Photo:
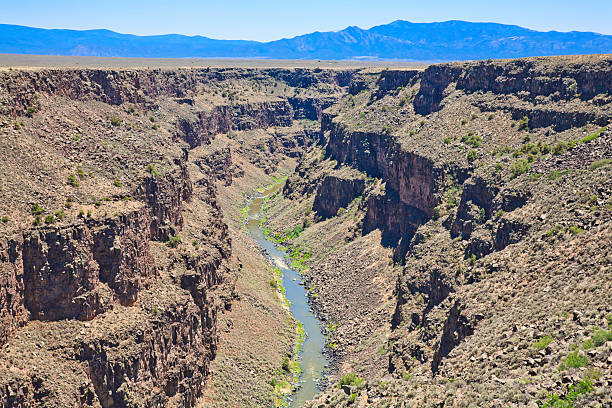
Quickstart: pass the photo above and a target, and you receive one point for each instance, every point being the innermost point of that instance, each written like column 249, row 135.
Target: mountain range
column 399, row 40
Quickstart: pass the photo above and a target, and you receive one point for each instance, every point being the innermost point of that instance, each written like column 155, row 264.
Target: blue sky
column 266, row 20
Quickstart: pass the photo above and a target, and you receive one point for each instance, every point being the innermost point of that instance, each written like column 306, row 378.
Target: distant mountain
column 446, row 41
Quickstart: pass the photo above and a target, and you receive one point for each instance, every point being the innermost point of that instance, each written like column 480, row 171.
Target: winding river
column 312, row 359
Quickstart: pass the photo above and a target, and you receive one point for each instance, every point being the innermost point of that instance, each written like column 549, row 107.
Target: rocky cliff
column 115, row 256
column 475, row 174
column 452, row 224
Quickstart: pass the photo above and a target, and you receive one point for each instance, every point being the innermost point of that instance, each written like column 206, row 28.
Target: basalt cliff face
column 116, row 259
column 457, row 221
column 454, row 224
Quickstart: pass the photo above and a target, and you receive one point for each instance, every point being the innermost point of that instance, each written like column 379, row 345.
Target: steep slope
column 457, row 225
column 116, row 259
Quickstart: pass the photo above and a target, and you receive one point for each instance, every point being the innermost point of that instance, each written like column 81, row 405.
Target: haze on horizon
column 269, row 20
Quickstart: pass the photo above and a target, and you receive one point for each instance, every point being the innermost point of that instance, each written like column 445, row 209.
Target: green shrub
column 491, row 116
column 286, row 365
column 60, row 215
column 352, row 398
column 600, row 163
column 556, row 230
column 523, row 123
column 115, row 121
column 36, row 209
column 388, row 129
column 5, row 219
column 73, row 181
column 575, row 230
column 174, row 242
column 593, row 136
column 472, row 259
column 437, row 213
column 37, row 220
column 589, row 200
column 574, row 391
column 535, row 176
column 542, row 342
column 297, row 230
column 482, row 216
column 544, row 148
column 472, row 156
column 50, row 219
column 574, row 360
column 447, row 140
column 519, row 167
column 601, row 336
column 30, row 111
column 472, row 140
column 117, row 183
column 464, row 121
column 559, row 148
column 68, row 203
column 557, row 174
column 153, row 171
column 351, row 380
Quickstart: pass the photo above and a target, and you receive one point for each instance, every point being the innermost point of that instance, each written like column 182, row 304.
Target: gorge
column 451, row 226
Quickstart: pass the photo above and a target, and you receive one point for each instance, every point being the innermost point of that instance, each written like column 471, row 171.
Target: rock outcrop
column 335, row 193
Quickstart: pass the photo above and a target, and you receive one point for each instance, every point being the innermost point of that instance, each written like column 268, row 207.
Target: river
column 312, row 359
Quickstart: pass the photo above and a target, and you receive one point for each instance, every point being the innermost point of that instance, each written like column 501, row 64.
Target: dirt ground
column 53, row 61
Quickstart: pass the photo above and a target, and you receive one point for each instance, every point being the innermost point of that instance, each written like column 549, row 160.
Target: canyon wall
column 111, row 271
column 433, row 206
column 473, row 174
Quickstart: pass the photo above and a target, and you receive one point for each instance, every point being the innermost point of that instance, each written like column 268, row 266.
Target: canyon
column 452, row 225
